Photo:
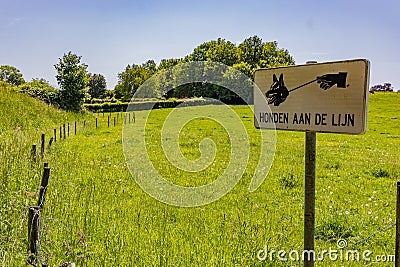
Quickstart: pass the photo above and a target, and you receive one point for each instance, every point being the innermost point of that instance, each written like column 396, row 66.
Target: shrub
column 40, row 88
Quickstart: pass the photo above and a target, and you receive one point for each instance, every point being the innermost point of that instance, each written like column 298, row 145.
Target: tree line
column 77, row 85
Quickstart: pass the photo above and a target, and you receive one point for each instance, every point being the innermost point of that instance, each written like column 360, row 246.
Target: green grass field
column 96, row 215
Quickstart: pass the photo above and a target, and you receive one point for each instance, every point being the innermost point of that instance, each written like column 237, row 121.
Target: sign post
column 309, row 192
column 309, row 196
column 333, row 98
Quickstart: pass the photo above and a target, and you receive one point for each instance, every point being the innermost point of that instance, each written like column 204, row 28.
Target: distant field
column 96, row 215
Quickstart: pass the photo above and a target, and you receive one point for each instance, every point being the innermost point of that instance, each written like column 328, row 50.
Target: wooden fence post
column 43, row 185
column 75, row 128
column 33, row 153
column 96, row 123
column 134, row 117
column 55, row 135
column 42, row 146
column 60, row 133
column 129, row 118
column 34, row 219
column 114, row 121
column 64, row 130
column 50, row 142
column 33, row 234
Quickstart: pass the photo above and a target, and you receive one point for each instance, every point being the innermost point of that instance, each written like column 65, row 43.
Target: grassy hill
column 96, row 214
column 22, row 121
column 21, row 112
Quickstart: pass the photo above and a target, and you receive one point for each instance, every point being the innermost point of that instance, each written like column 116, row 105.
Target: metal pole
column 309, row 198
column 397, row 251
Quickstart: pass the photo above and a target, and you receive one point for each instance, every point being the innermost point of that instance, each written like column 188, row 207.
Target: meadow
column 97, row 215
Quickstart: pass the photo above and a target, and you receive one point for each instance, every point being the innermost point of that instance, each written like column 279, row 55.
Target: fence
column 34, row 246
column 34, row 212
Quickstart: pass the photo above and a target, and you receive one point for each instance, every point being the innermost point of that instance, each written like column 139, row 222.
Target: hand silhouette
column 277, row 92
column 328, row 80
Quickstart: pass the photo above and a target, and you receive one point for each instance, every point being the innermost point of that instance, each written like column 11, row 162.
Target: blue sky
column 111, row 34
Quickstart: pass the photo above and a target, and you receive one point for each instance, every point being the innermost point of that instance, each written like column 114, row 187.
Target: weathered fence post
column 55, row 135
column 114, row 121
column 397, row 250
column 75, row 128
column 43, row 185
column 108, row 121
column 34, row 219
column 134, row 117
column 64, row 130
column 129, row 118
column 96, row 123
column 60, row 133
column 33, row 234
column 42, row 145
column 50, row 142
column 33, row 152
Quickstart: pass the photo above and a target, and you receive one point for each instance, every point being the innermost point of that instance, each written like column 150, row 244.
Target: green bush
column 144, row 105
column 40, row 89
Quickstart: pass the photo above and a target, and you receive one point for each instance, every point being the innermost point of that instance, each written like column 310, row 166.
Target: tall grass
column 96, row 215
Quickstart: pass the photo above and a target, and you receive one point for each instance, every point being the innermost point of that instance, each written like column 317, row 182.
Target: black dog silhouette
column 277, row 92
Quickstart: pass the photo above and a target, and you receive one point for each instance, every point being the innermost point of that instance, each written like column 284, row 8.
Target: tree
column 250, row 50
column 73, row 79
column 133, row 77
column 97, row 85
column 11, row 75
column 220, row 50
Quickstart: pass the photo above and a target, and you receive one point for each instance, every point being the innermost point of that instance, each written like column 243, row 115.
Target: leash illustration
column 278, row 92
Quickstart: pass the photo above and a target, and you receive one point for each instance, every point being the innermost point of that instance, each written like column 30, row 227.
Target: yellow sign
column 324, row 97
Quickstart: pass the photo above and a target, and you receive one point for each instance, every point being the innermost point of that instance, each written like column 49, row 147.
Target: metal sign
column 324, row 97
